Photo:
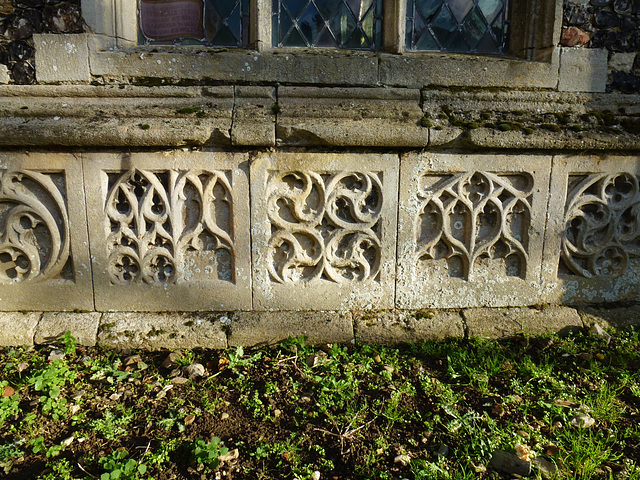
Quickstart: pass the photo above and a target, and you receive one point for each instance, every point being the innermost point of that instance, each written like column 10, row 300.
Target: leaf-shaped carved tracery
column 471, row 219
column 165, row 227
column 602, row 225
column 324, row 226
column 34, row 227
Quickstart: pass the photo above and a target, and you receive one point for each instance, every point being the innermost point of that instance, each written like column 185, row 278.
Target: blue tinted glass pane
column 328, row 23
column 457, row 25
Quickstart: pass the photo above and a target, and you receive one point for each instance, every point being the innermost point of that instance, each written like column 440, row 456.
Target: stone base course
column 155, row 331
column 507, row 322
column 268, row 328
column 398, row 326
column 611, row 317
column 18, row 328
column 219, row 330
column 53, row 325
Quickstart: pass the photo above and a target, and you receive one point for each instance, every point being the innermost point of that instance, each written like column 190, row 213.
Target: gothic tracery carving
column 164, row 226
column 470, row 219
column 324, row 226
column 602, row 224
column 34, row 226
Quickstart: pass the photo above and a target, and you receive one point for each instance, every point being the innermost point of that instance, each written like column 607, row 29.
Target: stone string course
column 228, row 329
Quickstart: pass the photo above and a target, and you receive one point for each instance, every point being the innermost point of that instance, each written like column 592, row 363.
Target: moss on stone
column 552, row 127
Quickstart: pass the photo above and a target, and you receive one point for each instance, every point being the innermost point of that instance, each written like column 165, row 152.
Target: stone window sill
column 185, row 65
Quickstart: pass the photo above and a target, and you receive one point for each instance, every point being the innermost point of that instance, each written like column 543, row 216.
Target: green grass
column 434, row 410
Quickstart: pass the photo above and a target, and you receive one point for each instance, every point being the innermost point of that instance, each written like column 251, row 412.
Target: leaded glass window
column 194, row 22
column 353, row 24
column 457, row 25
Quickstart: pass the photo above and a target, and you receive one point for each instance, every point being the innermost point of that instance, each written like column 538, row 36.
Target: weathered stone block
column 416, row 71
column 583, row 70
column 591, row 249
column 74, row 115
column 18, row 329
column 250, row 329
column 254, row 116
column 153, row 331
column 62, row 58
column 44, row 254
column 234, row 65
column 4, row 74
column 169, row 231
column 470, row 230
column 53, row 325
column 506, row 322
column 398, row 327
column 620, row 317
column 323, row 230
column 621, row 62
column 350, row 116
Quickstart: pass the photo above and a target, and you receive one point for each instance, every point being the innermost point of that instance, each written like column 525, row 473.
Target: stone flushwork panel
column 169, row 231
column 44, row 255
column 593, row 248
column 470, row 230
column 323, row 230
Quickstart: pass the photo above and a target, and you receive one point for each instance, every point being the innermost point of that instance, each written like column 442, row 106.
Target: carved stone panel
column 44, row 255
column 323, row 230
column 592, row 254
column 470, row 230
column 169, row 231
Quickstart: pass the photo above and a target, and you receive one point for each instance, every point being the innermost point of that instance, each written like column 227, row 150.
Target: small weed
column 9, row 405
column 61, row 469
column 112, row 426
column 208, row 453
column 118, row 467
column 9, row 452
column 50, row 381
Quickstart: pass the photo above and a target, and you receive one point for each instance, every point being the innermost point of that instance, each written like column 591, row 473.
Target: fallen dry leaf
column 523, row 452
column 223, row 363
column 232, row 455
column 189, row 419
column 552, row 450
column 8, row 391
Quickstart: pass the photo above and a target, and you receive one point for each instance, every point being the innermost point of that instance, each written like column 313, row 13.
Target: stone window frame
column 533, row 62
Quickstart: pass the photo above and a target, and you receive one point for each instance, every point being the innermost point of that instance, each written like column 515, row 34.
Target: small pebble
column 171, row 360
column 194, row 370
column 67, row 441
column 388, row 368
column 583, row 421
column 224, row 416
column 403, row 460
column 56, row 355
column 598, row 331
column 508, row 463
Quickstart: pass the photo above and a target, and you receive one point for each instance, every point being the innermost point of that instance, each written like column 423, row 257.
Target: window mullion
column 260, row 35
column 393, row 38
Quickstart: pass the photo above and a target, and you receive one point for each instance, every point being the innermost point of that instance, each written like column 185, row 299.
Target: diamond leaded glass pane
column 194, row 22
column 457, row 25
column 353, row 24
